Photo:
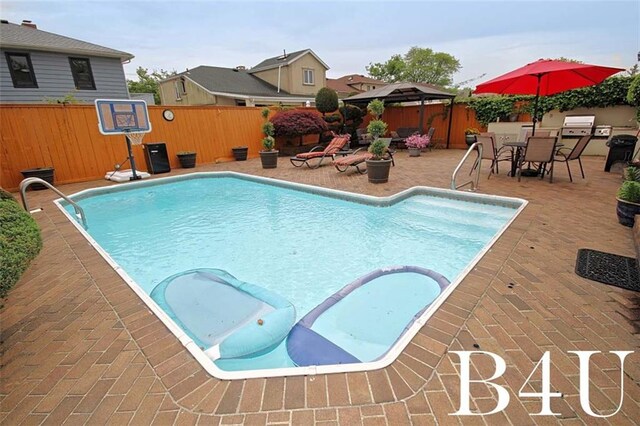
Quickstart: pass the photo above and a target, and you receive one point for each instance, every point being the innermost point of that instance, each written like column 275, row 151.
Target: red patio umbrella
column 546, row 77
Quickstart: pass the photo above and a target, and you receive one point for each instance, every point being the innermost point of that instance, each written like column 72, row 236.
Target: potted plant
column 415, row 143
column 187, row 159
column 268, row 155
column 240, row 152
column 377, row 166
column 629, row 197
column 470, row 135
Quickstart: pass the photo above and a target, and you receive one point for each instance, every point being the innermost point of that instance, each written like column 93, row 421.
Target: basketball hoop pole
column 132, row 161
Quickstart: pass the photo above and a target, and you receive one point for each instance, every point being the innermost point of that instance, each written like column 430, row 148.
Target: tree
column 418, row 65
column 149, row 83
column 326, row 100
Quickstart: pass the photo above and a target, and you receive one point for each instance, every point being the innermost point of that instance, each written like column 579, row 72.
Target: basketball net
column 135, row 137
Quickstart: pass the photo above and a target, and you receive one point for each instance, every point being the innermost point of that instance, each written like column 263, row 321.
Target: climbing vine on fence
column 611, row 92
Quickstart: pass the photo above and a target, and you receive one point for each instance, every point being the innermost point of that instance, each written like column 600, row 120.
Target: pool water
column 300, row 245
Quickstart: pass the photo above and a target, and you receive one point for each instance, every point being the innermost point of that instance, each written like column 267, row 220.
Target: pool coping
column 391, row 355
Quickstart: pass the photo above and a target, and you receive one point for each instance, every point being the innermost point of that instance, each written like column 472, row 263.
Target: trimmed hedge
column 20, row 242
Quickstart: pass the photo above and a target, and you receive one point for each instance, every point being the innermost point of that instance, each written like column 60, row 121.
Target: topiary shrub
column 352, row 118
column 297, row 123
column 4, row 195
column 20, row 242
column 326, row 100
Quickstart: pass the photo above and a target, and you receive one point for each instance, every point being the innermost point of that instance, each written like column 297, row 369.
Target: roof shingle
column 23, row 37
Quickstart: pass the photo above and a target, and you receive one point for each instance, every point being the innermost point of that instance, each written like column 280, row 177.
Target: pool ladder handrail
column 28, row 181
column 476, row 147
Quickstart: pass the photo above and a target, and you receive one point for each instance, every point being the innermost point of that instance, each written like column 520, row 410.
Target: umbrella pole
column 421, row 114
column 535, row 106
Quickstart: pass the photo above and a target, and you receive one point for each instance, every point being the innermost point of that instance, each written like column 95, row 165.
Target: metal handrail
column 28, row 181
column 476, row 147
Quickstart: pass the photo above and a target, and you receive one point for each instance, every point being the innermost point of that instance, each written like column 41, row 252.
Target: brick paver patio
column 78, row 346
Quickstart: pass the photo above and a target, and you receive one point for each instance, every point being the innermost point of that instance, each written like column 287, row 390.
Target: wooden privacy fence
column 66, row 137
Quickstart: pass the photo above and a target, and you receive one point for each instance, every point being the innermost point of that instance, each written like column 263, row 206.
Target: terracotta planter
column 269, row 159
column 187, row 161
column 240, row 153
column 44, row 173
column 378, row 170
column 414, row 152
column 626, row 212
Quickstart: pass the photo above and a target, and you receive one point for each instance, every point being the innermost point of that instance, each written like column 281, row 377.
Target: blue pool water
column 300, row 245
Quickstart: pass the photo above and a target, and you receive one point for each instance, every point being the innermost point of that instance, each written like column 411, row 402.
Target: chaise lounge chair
column 336, row 144
column 359, row 157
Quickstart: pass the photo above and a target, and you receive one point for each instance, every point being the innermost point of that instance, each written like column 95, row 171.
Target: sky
column 489, row 38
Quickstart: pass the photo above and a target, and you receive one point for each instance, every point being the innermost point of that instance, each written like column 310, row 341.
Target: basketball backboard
column 122, row 116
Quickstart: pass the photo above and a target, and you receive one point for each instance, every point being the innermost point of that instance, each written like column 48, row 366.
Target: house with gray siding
column 41, row 67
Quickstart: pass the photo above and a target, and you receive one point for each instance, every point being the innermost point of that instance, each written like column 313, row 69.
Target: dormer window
column 308, row 77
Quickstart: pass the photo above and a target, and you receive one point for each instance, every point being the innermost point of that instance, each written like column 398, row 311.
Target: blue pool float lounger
column 226, row 317
column 362, row 321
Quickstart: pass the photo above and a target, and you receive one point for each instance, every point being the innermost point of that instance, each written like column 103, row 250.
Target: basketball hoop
column 135, row 137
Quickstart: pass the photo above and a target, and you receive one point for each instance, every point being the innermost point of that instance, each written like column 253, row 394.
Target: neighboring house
column 353, row 84
column 147, row 97
column 40, row 67
column 289, row 79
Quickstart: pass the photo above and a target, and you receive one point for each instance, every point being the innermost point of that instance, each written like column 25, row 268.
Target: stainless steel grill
column 578, row 125
column 602, row 131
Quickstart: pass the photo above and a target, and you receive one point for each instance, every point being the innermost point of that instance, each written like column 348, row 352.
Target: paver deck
column 78, row 346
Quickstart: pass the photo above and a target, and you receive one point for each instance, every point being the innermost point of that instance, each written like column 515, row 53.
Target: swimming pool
column 300, row 242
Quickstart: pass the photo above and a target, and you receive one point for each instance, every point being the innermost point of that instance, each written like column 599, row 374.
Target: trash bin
column 621, row 149
column 156, row 157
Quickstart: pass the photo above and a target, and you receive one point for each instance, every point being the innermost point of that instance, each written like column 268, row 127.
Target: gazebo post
column 450, row 120
column 421, row 114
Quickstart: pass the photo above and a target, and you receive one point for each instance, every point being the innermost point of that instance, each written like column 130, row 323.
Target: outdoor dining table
column 516, row 148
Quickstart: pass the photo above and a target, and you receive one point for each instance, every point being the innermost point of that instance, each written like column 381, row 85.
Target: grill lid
column 574, row 121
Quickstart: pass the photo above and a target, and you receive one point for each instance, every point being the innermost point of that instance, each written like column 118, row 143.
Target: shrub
column 297, row 123
column 633, row 95
column 376, row 108
column 333, row 118
column 377, row 128
column 630, row 192
column 265, row 113
column 268, row 129
column 20, row 242
column 326, row 100
column 632, row 173
column 378, row 148
column 268, row 143
column 352, row 118
column 4, row 195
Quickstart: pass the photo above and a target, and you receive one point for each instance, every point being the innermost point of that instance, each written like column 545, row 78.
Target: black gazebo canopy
column 404, row 92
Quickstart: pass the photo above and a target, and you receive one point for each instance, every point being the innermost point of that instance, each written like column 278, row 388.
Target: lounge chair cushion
column 351, row 160
column 307, row 155
column 334, row 146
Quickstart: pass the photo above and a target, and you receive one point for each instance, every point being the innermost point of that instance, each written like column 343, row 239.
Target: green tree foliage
column 149, row 83
column 20, row 242
column 418, row 65
column 326, row 100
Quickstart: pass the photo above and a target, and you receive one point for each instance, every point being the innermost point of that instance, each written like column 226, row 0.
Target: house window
column 308, row 77
column 82, row 75
column 21, row 70
column 180, row 89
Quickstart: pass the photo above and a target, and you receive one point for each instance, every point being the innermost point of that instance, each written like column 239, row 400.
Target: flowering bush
column 297, row 123
column 417, row 141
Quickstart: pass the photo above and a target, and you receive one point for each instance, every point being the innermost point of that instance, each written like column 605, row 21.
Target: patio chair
column 320, row 152
column 490, row 152
column 574, row 154
column 359, row 157
column 540, row 150
column 364, row 138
